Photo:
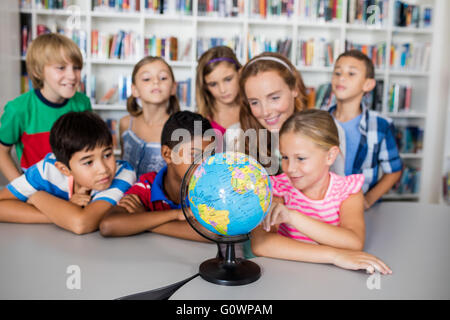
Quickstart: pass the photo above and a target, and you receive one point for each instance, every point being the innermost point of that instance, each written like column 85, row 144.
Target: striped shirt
column 44, row 176
column 325, row 210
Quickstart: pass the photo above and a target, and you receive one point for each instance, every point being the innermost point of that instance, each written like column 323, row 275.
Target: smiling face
column 61, row 81
column 306, row 163
column 92, row 169
column 270, row 98
column 153, row 83
column 349, row 81
column 223, row 83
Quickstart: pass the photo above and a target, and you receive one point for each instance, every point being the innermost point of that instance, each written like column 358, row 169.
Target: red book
column 408, row 98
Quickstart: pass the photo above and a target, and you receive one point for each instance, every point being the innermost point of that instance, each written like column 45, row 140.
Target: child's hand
column 131, row 203
column 82, row 197
column 180, row 215
column 277, row 214
column 81, row 200
column 359, row 260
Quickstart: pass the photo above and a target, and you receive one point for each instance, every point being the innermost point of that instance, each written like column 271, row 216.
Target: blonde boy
column 54, row 65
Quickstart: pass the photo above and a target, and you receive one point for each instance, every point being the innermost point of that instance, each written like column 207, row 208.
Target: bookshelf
column 195, row 25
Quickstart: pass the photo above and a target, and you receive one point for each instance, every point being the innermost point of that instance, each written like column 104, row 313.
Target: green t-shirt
column 27, row 120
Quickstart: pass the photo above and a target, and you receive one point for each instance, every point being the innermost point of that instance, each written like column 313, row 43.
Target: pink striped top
column 325, row 210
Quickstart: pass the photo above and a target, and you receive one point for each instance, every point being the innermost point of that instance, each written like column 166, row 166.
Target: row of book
column 170, row 48
column 376, row 52
column 323, row 97
column 122, row 45
column 412, row 15
column 51, row 4
column 119, row 92
column 409, row 139
column 169, row 7
column 271, row 8
column 116, row 5
column 399, row 98
column 409, row 182
column 410, row 56
column 236, row 43
column 259, row 44
column 368, row 12
column 220, row 8
column 320, row 10
column 317, row 52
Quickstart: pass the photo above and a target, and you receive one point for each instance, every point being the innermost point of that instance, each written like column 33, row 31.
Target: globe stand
column 229, row 270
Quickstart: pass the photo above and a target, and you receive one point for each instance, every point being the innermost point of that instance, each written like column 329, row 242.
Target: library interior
column 407, row 41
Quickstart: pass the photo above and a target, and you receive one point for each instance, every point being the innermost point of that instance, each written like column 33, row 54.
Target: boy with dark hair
column 369, row 137
column 74, row 186
column 154, row 203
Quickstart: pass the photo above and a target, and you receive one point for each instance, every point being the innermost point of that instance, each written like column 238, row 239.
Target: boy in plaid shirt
column 370, row 140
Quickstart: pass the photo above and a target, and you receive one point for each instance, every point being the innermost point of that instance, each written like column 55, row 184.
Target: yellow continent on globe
column 218, row 219
column 242, row 183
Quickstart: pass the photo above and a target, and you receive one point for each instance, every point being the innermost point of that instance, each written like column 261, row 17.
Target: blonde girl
column 318, row 215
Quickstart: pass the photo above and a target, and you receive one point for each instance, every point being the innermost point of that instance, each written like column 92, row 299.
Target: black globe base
column 229, row 271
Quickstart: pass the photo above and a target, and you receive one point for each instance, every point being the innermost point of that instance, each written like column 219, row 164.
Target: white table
column 34, row 261
column 413, row 239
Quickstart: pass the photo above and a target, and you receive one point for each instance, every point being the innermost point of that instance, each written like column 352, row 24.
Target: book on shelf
column 166, row 48
column 124, row 89
column 220, row 8
column 320, row 10
column 26, row 34
column 317, row 52
column 409, row 139
column 368, row 12
column 107, row 97
column 116, row 5
column 269, row 9
column 407, row 14
column 259, row 43
column 122, row 45
column 169, row 7
column 184, row 92
column 399, row 98
column 410, row 56
column 376, row 52
column 325, row 97
column 408, row 183
column 236, row 43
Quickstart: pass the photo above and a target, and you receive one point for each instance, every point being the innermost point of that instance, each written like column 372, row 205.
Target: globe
column 225, row 196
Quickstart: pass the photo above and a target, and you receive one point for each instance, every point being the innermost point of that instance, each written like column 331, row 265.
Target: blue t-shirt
column 352, row 139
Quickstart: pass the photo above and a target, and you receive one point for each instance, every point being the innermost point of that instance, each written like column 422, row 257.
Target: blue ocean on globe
column 229, row 193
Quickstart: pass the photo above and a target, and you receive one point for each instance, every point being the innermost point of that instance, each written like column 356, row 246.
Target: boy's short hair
column 358, row 55
column 186, row 120
column 50, row 48
column 77, row 131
